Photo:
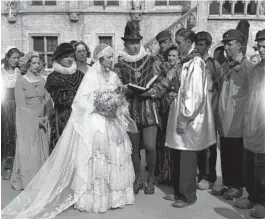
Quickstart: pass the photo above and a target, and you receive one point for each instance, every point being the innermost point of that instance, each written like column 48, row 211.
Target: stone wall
column 218, row 27
column 87, row 28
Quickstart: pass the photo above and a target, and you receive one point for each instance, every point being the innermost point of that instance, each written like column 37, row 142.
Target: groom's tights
column 149, row 143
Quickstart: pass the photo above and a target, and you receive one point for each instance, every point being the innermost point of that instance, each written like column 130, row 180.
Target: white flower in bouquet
column 109, row 103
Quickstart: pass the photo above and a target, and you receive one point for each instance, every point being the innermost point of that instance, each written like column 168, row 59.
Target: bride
column 91, row 167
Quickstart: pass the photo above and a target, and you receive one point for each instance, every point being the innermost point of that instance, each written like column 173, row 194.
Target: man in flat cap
column 234, row 79
column 136, row 68
column 254, row 137
column 164, row 40
column 207, row 164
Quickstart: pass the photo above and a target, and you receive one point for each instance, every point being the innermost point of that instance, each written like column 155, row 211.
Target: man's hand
column 151, row 93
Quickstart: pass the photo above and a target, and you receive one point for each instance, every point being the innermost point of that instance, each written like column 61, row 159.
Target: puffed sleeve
column 192, row 92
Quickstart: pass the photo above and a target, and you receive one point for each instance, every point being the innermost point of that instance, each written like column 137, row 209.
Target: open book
column 139, row 89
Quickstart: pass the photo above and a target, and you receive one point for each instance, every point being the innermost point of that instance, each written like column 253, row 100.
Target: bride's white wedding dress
column 90, row 167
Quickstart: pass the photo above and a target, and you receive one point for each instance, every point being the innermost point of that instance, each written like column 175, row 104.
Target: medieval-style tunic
column 143, row 110
column 62, row 88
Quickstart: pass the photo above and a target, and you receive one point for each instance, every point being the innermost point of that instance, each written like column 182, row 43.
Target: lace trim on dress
column 132, row 58
column 9, row 80
column 64, row 70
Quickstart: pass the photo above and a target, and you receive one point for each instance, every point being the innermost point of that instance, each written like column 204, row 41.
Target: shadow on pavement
column 228, row 213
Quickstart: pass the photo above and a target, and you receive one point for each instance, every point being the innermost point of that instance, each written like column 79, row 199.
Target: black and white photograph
column 135, row 109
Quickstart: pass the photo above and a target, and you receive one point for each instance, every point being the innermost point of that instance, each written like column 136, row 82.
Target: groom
column 136, row 67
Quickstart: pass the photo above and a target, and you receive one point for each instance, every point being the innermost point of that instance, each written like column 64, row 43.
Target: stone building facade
column 41, row 25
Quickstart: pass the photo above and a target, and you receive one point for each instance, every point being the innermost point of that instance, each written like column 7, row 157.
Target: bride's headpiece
column 102, row 50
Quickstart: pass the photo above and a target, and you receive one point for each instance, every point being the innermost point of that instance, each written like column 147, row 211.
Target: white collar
column 64, row 70
column 132, row 58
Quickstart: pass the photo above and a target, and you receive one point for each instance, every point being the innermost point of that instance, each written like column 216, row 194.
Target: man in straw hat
column 254, row 137
column 136, row 67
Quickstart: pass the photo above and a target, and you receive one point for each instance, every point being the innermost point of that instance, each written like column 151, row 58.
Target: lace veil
column 57, row 186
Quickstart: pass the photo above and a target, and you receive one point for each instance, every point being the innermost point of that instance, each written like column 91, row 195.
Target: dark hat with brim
column 132, row 32
column 132, row 38
column 63, row 48
column 163, row 35
column 260, row 35
column 233, row 34
column 203, row 35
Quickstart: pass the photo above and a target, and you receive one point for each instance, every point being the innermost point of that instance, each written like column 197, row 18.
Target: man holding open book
column 143, row 89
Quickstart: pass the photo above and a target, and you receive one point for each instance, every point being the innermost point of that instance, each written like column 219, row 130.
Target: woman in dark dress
column 9, row 75
column 172, row 82
column 62, row 84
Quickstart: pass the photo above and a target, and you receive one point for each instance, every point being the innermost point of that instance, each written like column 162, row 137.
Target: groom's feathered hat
column 132, row 31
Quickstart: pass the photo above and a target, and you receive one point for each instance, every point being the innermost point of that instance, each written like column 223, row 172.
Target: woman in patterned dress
column 9, row 75
column 62, row 84
column 32, row 146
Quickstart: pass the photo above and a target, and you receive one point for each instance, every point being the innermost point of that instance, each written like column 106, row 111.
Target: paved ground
column 152, row 207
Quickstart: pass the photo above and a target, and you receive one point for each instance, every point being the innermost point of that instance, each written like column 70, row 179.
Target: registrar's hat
column 132, row 32
column 203, row 35
column 163, row 35
column 260, row 35
column 233, row 34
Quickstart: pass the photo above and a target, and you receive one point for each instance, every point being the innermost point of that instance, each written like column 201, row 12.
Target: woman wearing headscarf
column 91, row 166
column 62, row 84
column 9, row 75
column 32, row 146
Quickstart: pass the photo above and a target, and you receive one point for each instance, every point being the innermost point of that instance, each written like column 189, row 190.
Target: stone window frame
column 106, row 3
column 44, row 3
column 166, row 3
column 45, row 35
column 98, row 35
column 220, row 15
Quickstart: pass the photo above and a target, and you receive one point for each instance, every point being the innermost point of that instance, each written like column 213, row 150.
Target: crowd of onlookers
column 203, row 100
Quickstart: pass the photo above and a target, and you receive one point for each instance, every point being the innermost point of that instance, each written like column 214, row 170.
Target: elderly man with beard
column 136, row 67
column 254, row 137
column 234, row 79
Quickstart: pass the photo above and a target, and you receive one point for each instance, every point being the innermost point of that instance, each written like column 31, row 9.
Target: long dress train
column 90, row 167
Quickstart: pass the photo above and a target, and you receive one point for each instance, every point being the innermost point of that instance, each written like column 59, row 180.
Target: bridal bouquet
column 109, row 103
